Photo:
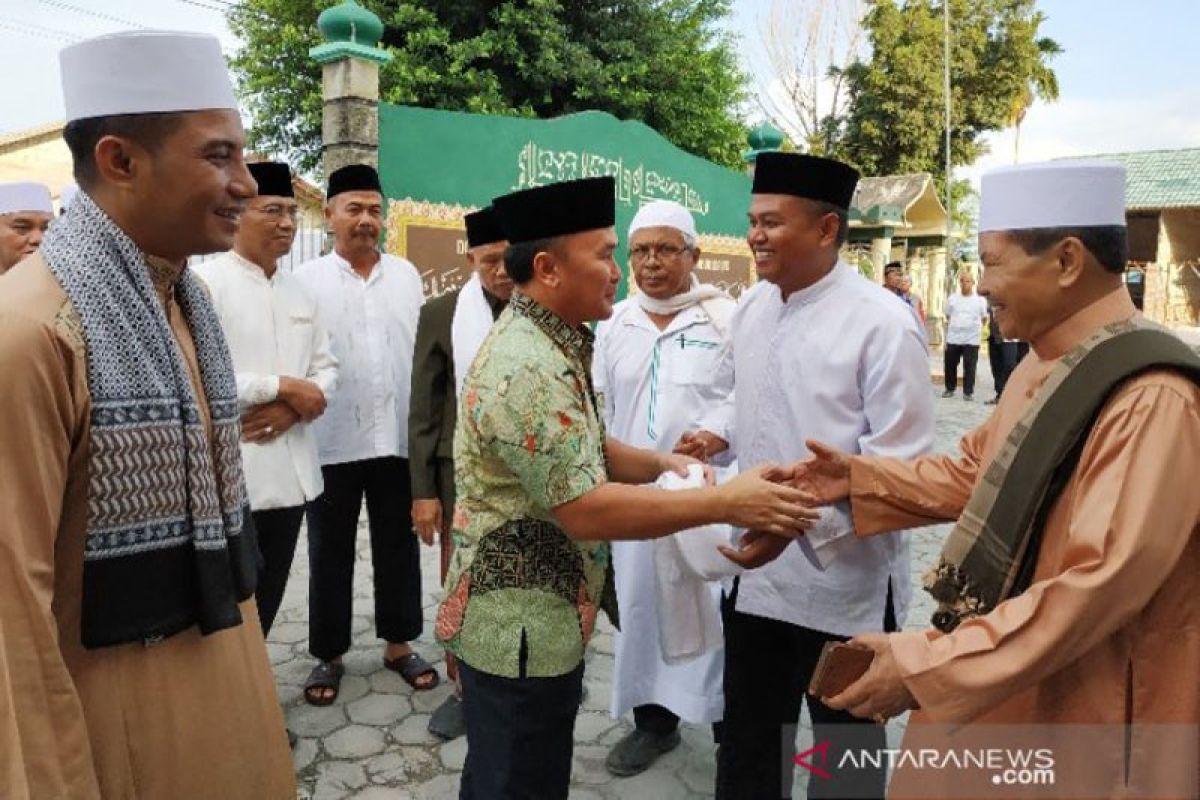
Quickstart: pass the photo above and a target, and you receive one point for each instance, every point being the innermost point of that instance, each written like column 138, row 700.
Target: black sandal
column 326, row 675
column 410, row 668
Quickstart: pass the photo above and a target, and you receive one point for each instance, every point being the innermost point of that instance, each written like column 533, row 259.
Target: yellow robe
column 1109, row 632
column 192, row 717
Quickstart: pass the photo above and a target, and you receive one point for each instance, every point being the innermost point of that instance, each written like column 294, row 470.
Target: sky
column 1128, row 78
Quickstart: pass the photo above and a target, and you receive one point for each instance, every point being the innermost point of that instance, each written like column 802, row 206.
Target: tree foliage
column 663, row 62
column 896, row 121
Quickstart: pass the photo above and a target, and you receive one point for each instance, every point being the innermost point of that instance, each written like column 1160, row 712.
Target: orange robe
column 191, row 717
column 1109, row 632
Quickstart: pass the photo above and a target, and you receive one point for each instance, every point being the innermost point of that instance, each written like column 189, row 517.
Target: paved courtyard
column 372, row 743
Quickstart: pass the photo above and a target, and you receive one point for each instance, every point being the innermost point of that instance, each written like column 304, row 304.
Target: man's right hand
column 427, row 518
column 756, row 501
column 825, row 476
column 304, row 396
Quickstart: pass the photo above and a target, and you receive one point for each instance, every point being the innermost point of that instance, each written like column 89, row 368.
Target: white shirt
column 842, row 362
column 664, row 380
column 656, row 385
column 273, row 330
column 372, row 324
column 964, row 318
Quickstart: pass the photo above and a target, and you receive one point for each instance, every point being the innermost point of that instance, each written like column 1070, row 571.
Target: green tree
column 896, row 120
column 664, row 62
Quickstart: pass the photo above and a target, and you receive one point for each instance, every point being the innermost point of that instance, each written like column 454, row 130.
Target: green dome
column 350, row 22
column 765, row 137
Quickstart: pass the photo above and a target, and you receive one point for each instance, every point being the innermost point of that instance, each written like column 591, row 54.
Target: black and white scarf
column 165, row 547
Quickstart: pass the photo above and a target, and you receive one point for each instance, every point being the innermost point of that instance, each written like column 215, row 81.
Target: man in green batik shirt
column 541, row 489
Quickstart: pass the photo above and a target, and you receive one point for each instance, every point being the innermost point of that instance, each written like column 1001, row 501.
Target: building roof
column 1160, row 178
column 904, row 202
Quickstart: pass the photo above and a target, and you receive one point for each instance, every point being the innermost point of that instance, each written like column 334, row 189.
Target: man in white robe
column 654, row 364
column 817, row 350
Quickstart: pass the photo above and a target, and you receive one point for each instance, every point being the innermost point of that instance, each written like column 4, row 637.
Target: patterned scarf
column 165, row 547
column 992, row 552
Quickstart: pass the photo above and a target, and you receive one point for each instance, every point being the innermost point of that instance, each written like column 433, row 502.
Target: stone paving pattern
column 373, row 744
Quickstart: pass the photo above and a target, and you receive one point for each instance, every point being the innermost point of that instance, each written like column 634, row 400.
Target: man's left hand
column 674, row 462
column 701, row 445
column 263, row 423
column 755, row 549
column 880, row 693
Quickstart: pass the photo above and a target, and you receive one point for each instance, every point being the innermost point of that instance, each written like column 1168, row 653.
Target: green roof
column 1160, row 178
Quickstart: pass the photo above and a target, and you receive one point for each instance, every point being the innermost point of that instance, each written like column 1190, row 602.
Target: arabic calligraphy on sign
column 538, row 166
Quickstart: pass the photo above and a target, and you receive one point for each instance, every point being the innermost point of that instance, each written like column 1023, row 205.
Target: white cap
column 143, row 72
column 664, row 214
column 1052, row 194
column 17, row 197
column 66, row 194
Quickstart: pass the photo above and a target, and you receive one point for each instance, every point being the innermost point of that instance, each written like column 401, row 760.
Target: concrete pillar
column 881, row 253
column 349, row 85
column 935, row 299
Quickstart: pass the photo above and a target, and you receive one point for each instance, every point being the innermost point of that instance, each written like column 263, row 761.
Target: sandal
column 411, row 667
column 325, row 675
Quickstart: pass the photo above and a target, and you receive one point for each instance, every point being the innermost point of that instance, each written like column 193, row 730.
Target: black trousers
column 278, row 529
column 969, row 353
column 332, row 534
column 768, row 666
column 520, row 735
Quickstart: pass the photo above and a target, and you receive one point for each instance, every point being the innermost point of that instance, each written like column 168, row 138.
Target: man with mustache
column 370, row 302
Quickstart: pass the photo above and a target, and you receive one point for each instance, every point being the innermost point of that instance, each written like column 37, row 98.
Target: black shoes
column 639, row 750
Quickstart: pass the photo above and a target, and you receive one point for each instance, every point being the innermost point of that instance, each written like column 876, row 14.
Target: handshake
column 774, row 503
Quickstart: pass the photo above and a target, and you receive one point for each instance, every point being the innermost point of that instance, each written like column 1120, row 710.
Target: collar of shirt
column 494, row 303
column 251, row 269
column 575, row 342
column 347, row 269
column 638, row 318
column 811, row 294
column 1113, row 307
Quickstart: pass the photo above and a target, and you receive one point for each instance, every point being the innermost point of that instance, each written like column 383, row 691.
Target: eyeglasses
column 664, row 252
column 278, row 212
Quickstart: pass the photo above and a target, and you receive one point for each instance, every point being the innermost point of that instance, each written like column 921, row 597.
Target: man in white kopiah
column 654, row 364
column 25, row 213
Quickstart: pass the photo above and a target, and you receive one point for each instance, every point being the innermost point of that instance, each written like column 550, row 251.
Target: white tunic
column 842, row 362
column 372, row 324
column 657, row 385
column 965, row 315
column 273, row 330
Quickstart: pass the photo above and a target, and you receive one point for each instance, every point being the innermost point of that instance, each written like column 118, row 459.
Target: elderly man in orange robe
column 1068, row 590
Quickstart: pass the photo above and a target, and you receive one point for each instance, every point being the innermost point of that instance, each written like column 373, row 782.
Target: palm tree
column 1042, row 83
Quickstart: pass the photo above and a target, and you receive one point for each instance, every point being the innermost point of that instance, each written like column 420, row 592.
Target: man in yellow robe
column 131, row 661
column 1068, row 589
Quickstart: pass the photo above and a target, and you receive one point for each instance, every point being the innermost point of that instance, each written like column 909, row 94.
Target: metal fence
column 309, row 244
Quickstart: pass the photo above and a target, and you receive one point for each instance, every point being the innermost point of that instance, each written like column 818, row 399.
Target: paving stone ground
column 372, row 743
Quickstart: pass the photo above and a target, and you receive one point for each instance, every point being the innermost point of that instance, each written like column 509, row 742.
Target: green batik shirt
column 521, row 596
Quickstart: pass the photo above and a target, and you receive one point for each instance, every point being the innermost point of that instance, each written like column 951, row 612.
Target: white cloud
column 1161, row 120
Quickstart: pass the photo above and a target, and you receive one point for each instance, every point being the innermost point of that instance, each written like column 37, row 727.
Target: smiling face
column 268, row 229
column 1024, row 290
column 189, row 197
column 661, row 261
column 789, row 237
column 20, row 235
column 357, row 221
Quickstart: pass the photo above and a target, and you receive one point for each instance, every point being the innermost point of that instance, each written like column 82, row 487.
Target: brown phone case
column 838, row 666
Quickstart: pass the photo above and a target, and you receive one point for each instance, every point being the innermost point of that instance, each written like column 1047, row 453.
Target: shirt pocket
column 693, row 360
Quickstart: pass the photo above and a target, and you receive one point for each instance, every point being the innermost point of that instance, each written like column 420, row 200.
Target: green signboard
column 438, row 165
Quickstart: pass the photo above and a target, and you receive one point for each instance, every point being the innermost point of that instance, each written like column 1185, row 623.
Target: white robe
column 842, row 362
column 657, row 385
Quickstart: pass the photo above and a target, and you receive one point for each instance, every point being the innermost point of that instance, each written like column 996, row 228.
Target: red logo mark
column 821, row 750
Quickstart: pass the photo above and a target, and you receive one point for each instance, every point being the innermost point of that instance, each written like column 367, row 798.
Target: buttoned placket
column 375, row 322
column 673, row 334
